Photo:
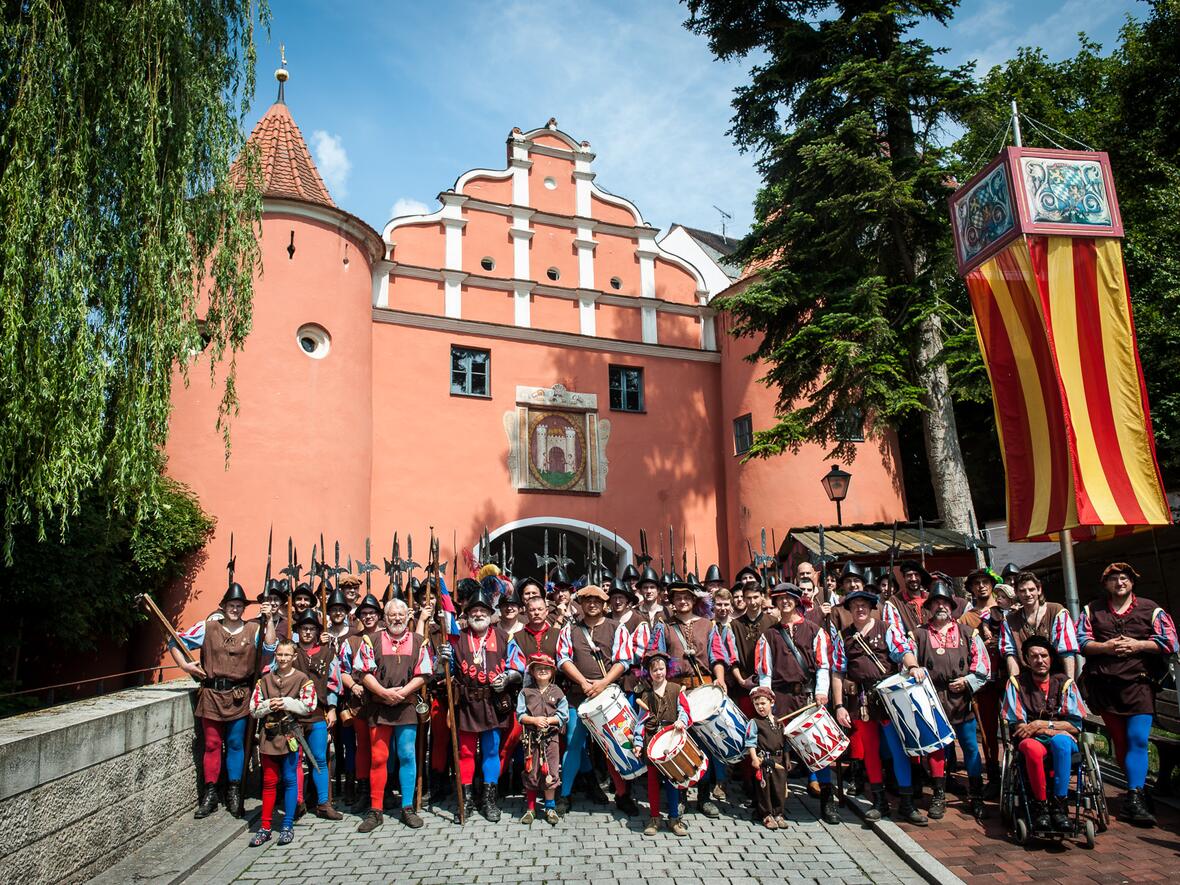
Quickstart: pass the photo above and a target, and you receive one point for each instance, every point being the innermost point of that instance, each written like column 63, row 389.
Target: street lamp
column 835, row 483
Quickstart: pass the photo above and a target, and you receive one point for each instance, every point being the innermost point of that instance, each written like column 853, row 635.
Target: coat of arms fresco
column 556, row 441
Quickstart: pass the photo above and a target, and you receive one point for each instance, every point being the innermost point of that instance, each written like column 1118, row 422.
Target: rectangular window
column 470, row 371
column 626, row 389
column 743, row 434
column 850, row 425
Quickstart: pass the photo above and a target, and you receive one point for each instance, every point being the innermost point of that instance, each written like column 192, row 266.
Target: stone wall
column 83, row 784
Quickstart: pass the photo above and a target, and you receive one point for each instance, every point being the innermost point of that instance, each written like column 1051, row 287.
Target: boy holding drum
column 663, row 703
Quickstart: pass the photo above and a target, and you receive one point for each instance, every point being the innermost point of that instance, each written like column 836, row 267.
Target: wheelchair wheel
column 1007, row 788
column 1097, row 795
column 1088, row 833
column 1020, row 831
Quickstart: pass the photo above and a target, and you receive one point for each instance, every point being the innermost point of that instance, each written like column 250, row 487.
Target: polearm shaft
column 150, row 604
column 453, row 723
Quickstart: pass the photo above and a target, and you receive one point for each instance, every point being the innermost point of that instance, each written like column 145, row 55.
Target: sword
column 307, row 754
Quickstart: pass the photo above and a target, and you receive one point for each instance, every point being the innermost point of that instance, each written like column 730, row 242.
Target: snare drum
column 916, row 714
column 612, row 723
column 677, row 757
column 717, row 723
column 815, row 737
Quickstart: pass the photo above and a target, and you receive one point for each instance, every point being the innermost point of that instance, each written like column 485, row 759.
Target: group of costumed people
column 520, row 665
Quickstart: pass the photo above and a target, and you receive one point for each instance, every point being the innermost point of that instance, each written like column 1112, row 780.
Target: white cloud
column 332, row 160
column 407, row 206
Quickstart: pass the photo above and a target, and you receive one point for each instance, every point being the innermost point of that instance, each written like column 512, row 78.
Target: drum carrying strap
column 594, row 649
column 690, row 653
column 859, row 637
column 794, row 649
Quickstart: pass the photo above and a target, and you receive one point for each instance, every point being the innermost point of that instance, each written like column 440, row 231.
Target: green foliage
column 1128, row 104
column 845, row 113
column 119, row 223
column 81, row 592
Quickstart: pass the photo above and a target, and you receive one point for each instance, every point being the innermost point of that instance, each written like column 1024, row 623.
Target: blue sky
column 397, row 99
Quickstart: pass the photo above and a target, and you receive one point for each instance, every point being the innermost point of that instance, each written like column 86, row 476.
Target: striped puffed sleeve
column 1065, row 637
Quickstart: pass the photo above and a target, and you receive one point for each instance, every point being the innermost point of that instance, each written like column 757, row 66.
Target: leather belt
column 222, row 683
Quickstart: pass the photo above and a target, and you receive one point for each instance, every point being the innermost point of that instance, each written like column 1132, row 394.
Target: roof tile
column 287, row 168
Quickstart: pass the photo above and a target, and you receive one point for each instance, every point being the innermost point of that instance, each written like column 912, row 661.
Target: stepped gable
column 288, row 171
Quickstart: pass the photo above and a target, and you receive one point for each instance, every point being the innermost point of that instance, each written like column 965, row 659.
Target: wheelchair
column 1085, row 802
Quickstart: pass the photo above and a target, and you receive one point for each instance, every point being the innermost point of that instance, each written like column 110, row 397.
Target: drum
column 611, row 722
column 677, row 757
column 815, row 737
column 916, row 714
column 717, row 724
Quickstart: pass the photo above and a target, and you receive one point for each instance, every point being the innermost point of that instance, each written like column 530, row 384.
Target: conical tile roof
column 287, row 168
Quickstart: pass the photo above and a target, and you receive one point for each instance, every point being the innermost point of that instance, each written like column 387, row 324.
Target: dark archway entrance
column 527, row 543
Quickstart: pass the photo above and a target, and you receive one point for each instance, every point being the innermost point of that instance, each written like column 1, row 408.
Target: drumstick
column 792, row 715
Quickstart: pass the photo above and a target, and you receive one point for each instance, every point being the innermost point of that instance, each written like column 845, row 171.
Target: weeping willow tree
column 124, row 245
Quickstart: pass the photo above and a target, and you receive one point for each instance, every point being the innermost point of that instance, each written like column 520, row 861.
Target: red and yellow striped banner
column 1053, row 318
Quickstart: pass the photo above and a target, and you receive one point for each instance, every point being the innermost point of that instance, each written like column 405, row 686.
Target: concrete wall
column 83, row 784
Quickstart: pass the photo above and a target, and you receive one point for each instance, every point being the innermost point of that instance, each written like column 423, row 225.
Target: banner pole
column 1069, row 573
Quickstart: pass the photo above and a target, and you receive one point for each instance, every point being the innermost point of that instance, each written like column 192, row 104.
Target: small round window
column 314, row 340
column 487, row 263
column 553, row 273
column 551, row 183
column 616, row 283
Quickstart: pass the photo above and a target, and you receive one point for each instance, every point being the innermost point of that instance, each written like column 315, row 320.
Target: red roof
column 287, row 167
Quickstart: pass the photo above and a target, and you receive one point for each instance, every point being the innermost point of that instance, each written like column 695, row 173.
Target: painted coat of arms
column 556, row 441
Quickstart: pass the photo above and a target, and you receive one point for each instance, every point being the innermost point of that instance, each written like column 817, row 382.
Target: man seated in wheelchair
column 1045, row 712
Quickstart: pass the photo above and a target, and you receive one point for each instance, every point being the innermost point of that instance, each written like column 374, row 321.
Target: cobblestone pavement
column 983, row 852
column 592, row 843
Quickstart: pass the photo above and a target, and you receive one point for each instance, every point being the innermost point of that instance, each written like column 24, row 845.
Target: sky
column 396, row 100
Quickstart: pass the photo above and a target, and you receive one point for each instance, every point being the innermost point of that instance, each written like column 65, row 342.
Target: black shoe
column 907, row 812
column 411, row 819
column 373, row 819
column 975, row 796
column 490, row 810
column 1058, row 817
column 876, row 796
column 468, row 799
column 708, row 808
column 233, row 798
column 361, row 805
column 440, row 786
column 938, row 799
column 348, row 797
column 563, row 805
column 1135, row 810
column 596, row 793
column 627, row 805
column 827, row 806
column 260, row 838
column 300, row 810
column 993, row 782
column 208, row 802
column 1040, row 816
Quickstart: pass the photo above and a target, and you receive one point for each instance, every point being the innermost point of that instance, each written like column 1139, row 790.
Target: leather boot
column 906, row 810
column 348, row 797
column 490, row 810
column 938, row 798
column 328, row 812
column 468, row 799
column 1135, row 809
column 827, row 806
column 1058, row 817
column 975, row 795
column 440, row 786
column 233, row 798
column 879, row 808
column 1040, row 816
column 208, row 802
column 855, row 783
column 993, row 781
column 362, row 803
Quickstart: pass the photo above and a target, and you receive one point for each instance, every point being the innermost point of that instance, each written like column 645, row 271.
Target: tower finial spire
column 281, row 73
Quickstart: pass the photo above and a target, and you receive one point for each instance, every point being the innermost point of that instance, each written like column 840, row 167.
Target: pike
column 232, row 559
column 644, row 557
column 366, row 567
column 420, row 738
column 543, row 560
column 696, row 563
column 269, row 544
column 337, row 570
column 671, row 547
column 663, row 568
column 409, row 565
column 778, row 576
column 452, row 720
column 923, row 547
column 892, row 548
column 824, row 558
column 562, row 559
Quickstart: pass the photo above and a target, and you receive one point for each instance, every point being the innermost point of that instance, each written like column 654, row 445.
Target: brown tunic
column 477, row 709
column 277, row 728
column 542, row 748
column 1123, row 686
column 688, row 646
column 1039, row 704
column 315, row 666
column 354, row 705
column 592, row 666
column 862, row 673
column 544, row 642
column 953, row 663
column 792, row 685
column 772, row 748
column 393, row 671
column 746, row 633
column 225, row 655
column 662, row 711
column 1022, row 628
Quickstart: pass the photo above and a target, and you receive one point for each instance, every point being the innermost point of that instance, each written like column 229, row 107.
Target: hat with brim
column 747, row 570
column 618, row 588
column 349, row 581
column 540, row 659
column 939, row 590
column 982, row 574
column 1035, row 641
column 630, row 573
column 308, row 617
column 649, row 576
column 1120, row 568
column 652, row 653
column 592, row 591
column 370, row 601
column 713, row 573
column 912, row 565
column 275, row 587
column 762, row 692
column 786, row 588
column 303, row 590
column 522, row 583
column 484, row 597
column 338, row 600
column 679, row 585
column 235, row 593
column 870, row 598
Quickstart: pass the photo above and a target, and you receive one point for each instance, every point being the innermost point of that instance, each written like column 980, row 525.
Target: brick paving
column 984, row 852
column 592, row 843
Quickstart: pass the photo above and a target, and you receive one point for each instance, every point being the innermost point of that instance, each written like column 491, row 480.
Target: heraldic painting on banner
column 556, row 441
